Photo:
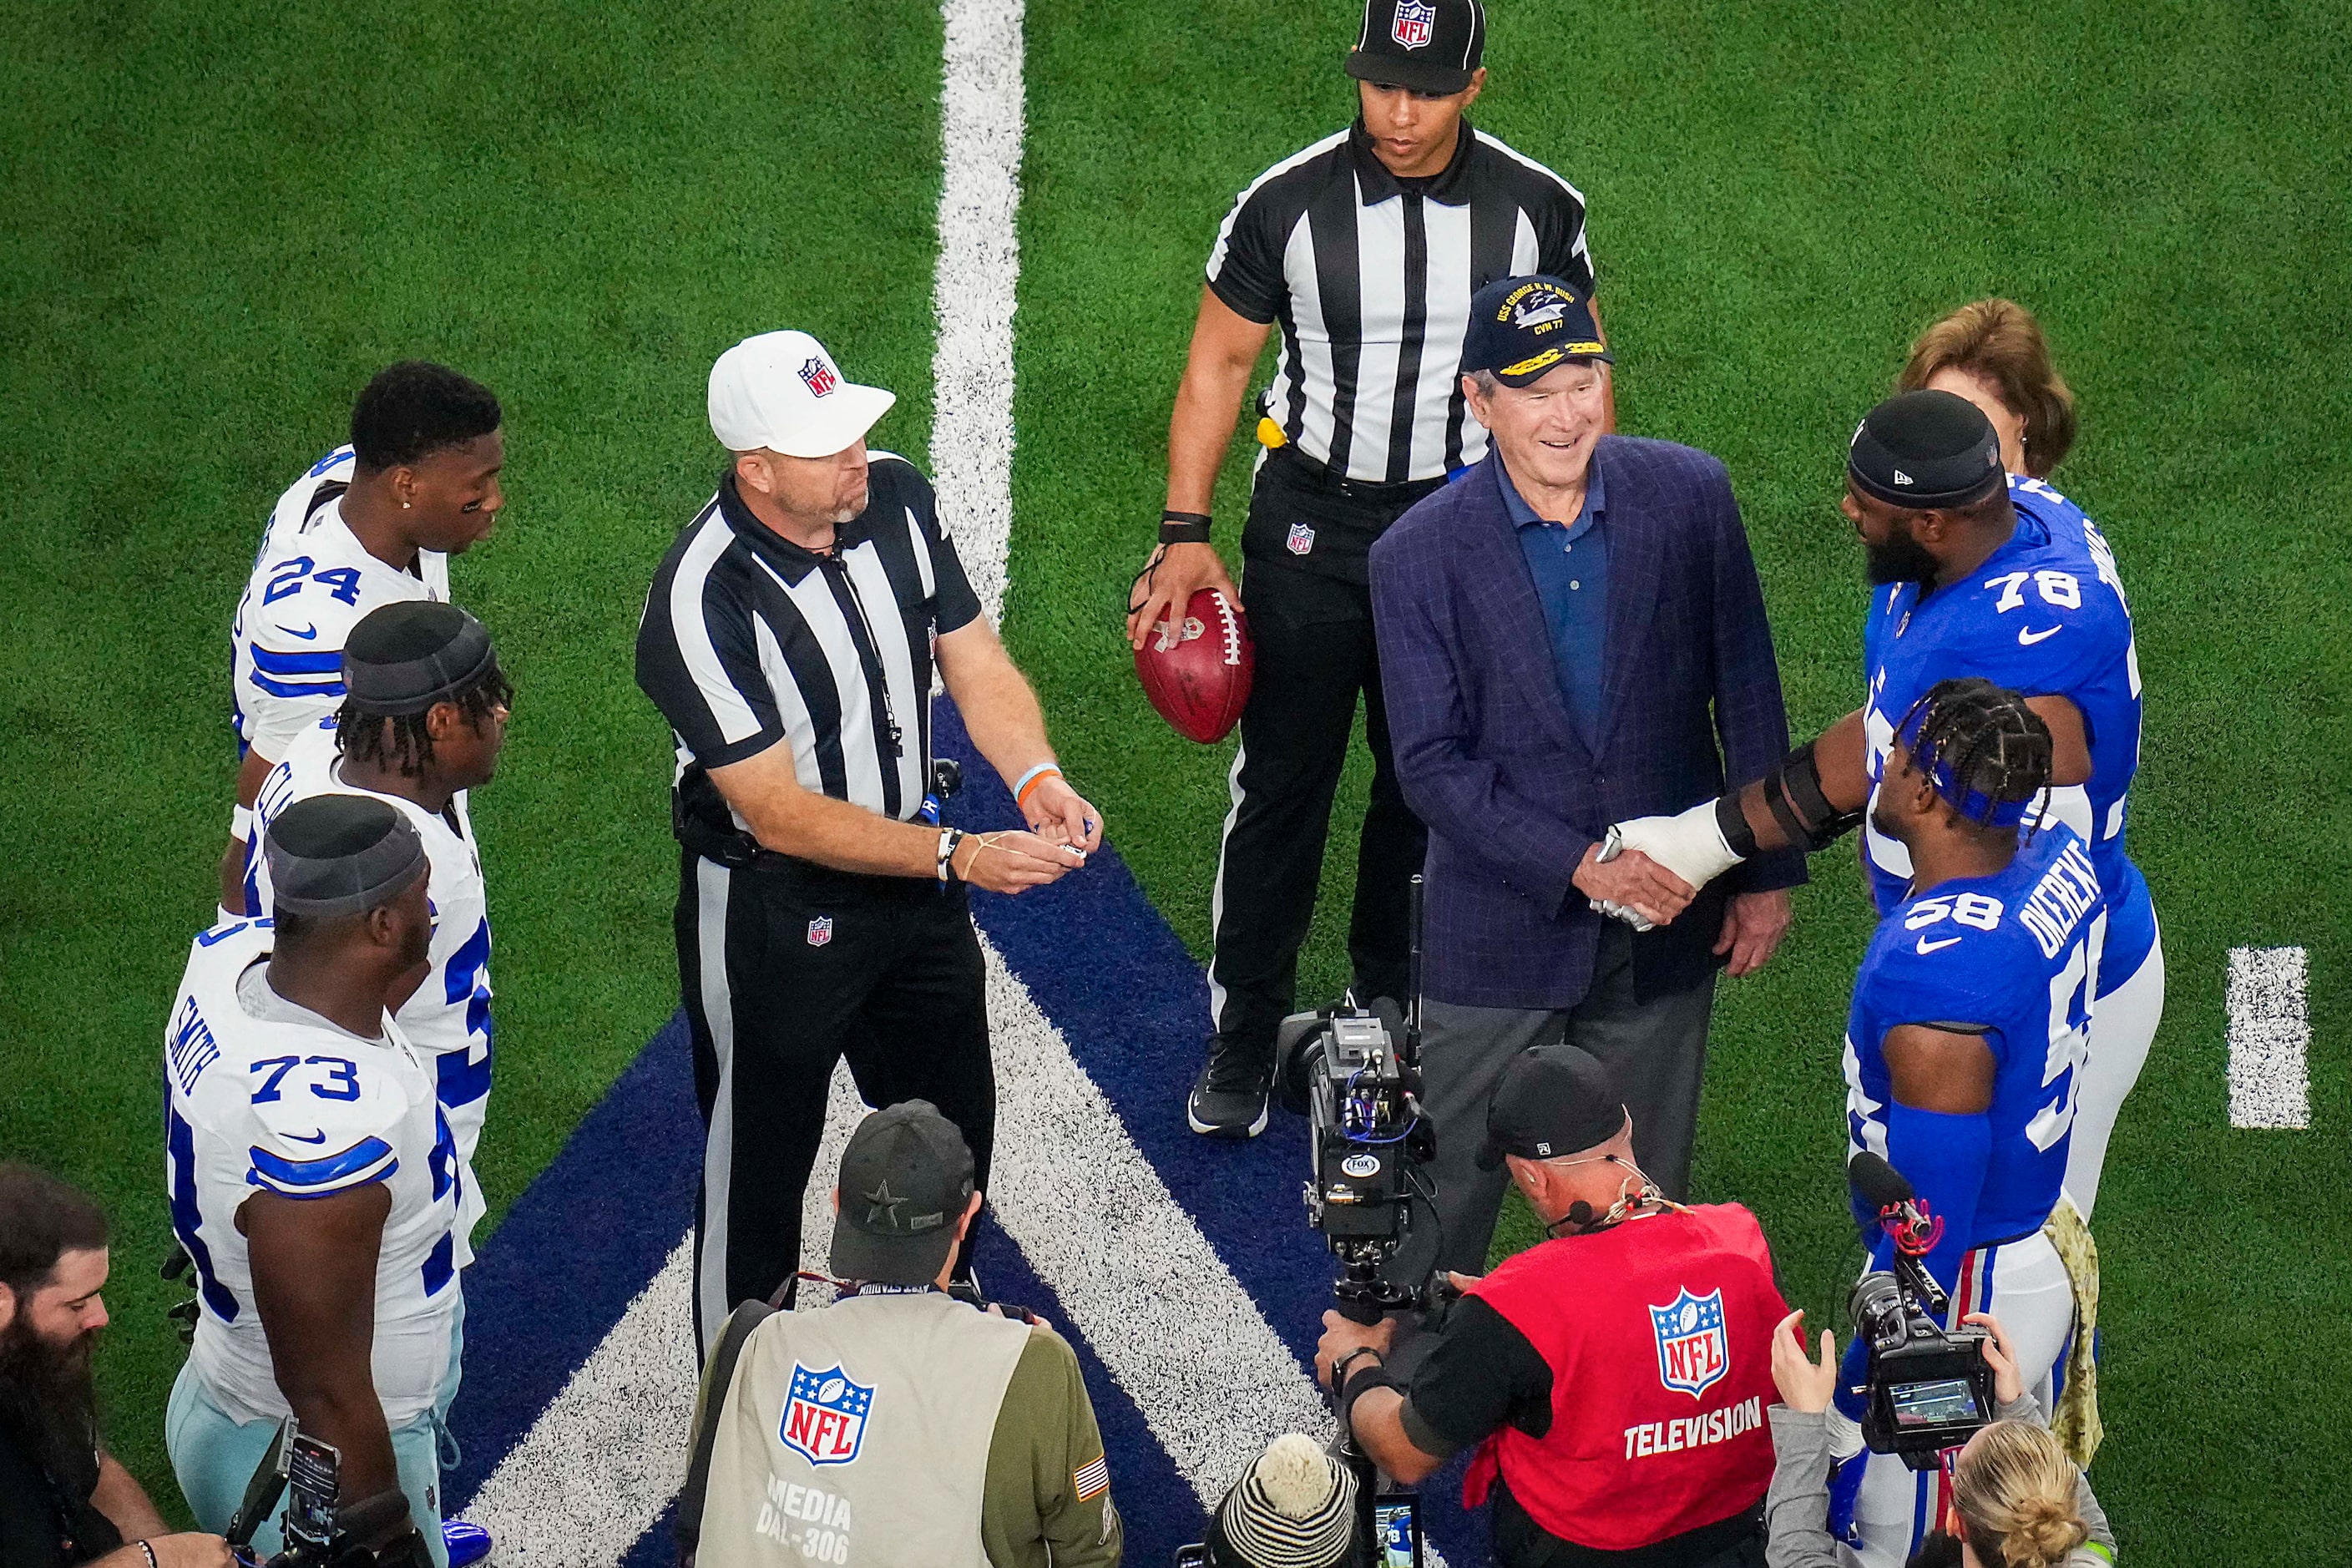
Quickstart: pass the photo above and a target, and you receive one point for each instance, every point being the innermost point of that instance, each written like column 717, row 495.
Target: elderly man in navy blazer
column 1570, row 634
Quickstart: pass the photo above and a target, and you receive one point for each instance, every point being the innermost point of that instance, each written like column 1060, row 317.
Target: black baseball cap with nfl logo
column 1429, row 46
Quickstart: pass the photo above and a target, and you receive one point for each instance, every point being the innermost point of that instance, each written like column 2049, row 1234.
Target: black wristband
column 1340, row 1368
column 1732, row 823
column 1358, row 1385
column 1184, row 527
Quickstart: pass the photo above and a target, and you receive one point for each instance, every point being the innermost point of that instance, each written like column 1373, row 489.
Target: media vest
column 859, row 1435
column 1658, row 1332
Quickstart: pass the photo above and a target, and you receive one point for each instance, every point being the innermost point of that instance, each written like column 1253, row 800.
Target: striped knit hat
column 1294, row 1508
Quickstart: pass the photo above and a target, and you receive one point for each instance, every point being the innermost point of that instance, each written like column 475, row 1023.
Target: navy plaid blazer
column 1485, row 752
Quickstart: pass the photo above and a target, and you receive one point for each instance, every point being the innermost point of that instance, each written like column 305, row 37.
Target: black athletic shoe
column 1228, row 1099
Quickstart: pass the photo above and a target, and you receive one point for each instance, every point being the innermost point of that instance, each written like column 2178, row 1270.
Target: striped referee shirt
column 1370, row 278
column 748, row 640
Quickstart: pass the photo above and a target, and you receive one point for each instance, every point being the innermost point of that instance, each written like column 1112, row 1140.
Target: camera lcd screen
column 1397, row 1518
column 1937, row 1403
column 313, row 1472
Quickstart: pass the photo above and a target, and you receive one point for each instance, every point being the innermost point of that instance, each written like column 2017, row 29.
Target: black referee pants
column 1316, row 657
column 784, row 973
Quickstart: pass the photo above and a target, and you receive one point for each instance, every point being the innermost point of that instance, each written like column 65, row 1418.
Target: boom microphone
column 1880, row 1184
column 1900, row 1212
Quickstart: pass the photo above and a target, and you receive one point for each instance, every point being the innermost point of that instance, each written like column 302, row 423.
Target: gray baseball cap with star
column 905, row 1180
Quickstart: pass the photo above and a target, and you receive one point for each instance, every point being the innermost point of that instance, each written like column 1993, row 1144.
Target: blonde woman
column 2015, row 1500
column 1993, row 354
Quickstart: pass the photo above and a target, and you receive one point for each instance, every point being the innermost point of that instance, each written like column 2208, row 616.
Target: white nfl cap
column 781, row 390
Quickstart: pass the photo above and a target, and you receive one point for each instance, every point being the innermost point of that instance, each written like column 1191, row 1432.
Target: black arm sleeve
column 1482, row 1375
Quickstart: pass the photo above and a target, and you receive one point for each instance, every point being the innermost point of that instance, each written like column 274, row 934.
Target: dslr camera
column 1929, row 1388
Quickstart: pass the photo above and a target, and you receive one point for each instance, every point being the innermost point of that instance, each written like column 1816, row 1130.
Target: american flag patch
column 1091, row 1481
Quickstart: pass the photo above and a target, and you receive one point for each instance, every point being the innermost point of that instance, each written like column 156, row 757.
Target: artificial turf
column 223, row 217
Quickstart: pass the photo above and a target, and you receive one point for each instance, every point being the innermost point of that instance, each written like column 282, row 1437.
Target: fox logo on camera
column 824, row 1416
column 1693, row 1352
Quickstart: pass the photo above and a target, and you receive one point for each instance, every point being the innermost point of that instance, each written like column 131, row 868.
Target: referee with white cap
column 1365, row 248
column 791, row 637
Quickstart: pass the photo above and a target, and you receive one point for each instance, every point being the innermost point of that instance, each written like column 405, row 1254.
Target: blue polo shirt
column 1569, row 563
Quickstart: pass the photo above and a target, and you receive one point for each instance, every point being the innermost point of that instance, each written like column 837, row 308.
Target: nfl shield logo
column 819, row 376
column 1414, row 24
column 1302, row 539
column 1692, row 1349
column 824, row 1416
column 820, row 931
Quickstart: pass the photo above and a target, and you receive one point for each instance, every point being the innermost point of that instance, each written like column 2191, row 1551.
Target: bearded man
column 64, row 1500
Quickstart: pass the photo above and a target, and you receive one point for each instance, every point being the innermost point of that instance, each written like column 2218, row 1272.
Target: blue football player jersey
column 2016, row 956
column 2044, row 615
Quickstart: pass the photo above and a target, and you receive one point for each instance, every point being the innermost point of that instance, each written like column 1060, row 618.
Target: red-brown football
column 1198, row 673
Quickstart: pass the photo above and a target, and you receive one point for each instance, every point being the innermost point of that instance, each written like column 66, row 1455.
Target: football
column 1197, row 673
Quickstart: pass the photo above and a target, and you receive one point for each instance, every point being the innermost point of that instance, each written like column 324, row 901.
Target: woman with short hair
column 1992, row 353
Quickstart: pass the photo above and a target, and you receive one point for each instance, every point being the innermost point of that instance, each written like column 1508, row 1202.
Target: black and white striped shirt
column 1370, row 278
column 748, row 640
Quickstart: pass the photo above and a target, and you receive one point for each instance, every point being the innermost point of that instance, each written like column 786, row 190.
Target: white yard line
column 972, row 292
column 603, row 1461
column 1135, row 1275
column 2270, row 1038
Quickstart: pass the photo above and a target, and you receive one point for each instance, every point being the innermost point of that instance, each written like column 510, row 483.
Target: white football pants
column 2123, row 1026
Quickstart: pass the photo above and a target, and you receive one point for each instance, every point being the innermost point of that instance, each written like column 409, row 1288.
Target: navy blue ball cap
column 1924, row 450
column 1523, row 327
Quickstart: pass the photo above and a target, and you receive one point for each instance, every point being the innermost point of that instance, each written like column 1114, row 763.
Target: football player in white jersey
column 422, row 723
column 314, row 1182
column 370, row 523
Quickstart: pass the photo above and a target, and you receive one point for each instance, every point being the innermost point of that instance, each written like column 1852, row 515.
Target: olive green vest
column 859, row 1435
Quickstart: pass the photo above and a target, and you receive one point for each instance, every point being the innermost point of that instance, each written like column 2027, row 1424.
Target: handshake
column 1684, row 853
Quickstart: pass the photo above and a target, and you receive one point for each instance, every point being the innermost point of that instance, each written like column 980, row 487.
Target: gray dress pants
column 1655, row 1049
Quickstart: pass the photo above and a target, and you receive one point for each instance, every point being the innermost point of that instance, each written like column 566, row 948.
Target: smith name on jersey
column 259, row 1101
column 2015, row 956
column 2044, row 615
column 447, row 1017
column 312, row 583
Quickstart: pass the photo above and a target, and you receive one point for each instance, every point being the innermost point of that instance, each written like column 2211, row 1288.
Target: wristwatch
column 950, row 840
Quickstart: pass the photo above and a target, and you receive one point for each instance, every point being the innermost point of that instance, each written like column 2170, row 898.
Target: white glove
column 1688, row 843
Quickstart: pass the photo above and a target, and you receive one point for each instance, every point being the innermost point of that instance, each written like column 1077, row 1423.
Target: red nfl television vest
column 1659, row 1336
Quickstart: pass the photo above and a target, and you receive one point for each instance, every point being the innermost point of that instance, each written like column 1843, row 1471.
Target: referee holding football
column 790, row 638
column 1366, row 248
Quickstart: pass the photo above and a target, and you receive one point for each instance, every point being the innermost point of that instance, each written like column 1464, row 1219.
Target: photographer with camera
column 64, row 1500
column 1612, row 1378
column 906, row 1423
column 2013, row 1499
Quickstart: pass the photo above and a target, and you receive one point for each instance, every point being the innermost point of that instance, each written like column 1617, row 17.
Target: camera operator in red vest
column 1613, row 1379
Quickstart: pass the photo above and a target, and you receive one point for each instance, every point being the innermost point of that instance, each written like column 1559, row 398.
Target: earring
column 403, row 506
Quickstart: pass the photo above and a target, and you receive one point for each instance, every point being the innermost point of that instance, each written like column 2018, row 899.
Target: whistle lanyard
column 869, row 651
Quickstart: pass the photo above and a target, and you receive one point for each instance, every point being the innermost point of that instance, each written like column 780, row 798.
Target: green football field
column 223, row 217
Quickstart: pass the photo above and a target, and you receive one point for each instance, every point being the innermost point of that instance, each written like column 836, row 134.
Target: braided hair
column 1984, row 752
column 400, row 741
